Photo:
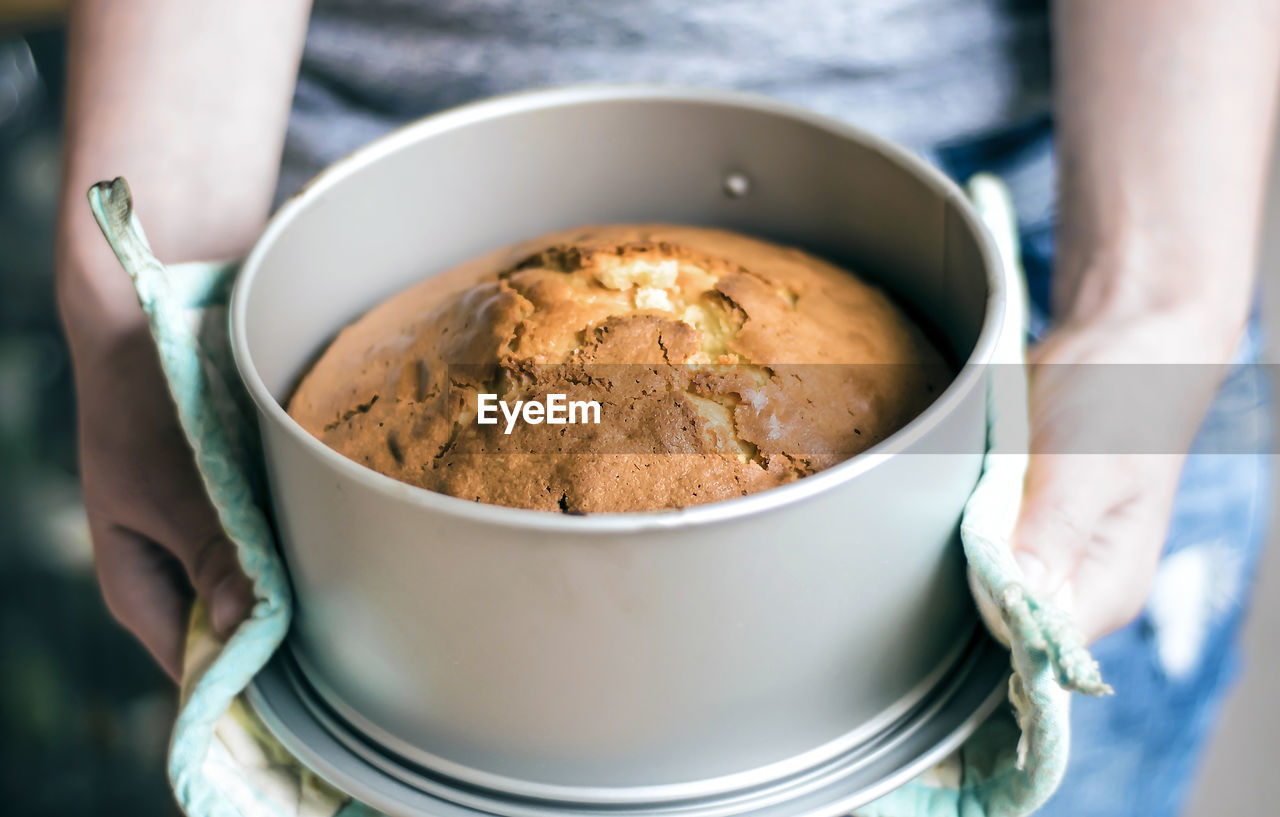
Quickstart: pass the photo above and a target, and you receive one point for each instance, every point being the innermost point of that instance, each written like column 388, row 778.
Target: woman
column 1161, row 114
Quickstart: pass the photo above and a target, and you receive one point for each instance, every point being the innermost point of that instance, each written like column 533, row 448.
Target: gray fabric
column 924, row 72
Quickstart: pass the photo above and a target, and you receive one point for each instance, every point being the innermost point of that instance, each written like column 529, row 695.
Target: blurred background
column 84, row 714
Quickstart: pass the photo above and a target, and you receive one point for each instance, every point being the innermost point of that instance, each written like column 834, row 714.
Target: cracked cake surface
column 723, row 365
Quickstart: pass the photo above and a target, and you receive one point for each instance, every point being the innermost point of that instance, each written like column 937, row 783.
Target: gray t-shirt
column 924, row 72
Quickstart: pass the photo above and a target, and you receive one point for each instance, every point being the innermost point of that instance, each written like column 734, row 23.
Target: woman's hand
column 1114, row 409
column 156, row 537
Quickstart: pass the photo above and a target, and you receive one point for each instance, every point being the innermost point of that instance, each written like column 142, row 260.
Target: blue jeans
column 1135, row 754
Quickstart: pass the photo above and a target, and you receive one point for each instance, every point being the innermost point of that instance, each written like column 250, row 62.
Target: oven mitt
column 224, row 763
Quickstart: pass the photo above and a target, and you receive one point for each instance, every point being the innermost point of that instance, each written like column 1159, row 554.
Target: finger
column 184, row 522
column 1111, row 584
column 144, row 588
column 1064, row 500
column 1110, row 589
column 1093, row 526
column 177, row 514
column 215, row 573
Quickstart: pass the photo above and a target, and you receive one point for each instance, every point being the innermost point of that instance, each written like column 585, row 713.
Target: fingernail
column 232, row 600
column 1034, row 571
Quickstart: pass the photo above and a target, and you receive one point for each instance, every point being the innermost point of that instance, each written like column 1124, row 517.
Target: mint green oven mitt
column 224, row 763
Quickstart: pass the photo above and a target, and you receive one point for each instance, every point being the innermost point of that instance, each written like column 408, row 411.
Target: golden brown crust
column 724, row 365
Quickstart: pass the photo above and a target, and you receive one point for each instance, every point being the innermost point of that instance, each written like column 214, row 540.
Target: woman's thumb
column 215, row 573
column 1059, row 508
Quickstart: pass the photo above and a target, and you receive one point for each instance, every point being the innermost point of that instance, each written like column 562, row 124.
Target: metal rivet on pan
column 737, row 185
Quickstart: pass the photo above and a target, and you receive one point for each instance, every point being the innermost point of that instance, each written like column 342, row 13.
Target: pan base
column 298, row 718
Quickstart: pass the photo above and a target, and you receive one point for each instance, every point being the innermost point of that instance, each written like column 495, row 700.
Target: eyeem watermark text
column 557, row 410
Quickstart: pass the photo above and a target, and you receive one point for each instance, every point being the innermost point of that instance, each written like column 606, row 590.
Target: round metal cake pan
column 638, row 657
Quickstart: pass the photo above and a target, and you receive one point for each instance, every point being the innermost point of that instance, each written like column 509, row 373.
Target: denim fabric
column 1135, row 754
